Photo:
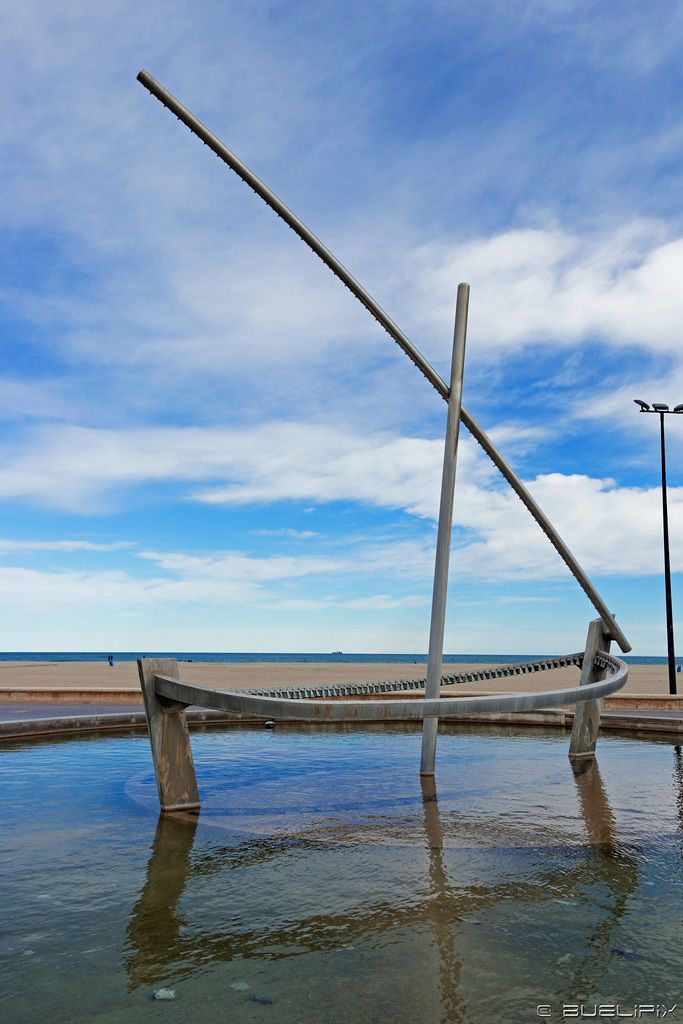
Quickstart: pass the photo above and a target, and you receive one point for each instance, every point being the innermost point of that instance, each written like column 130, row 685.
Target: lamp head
column 644, row 407
column 660, row 407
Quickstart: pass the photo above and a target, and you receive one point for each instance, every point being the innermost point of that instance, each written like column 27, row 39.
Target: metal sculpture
column 166, row 697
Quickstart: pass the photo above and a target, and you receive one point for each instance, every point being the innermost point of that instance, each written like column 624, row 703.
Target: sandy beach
column 72, row 676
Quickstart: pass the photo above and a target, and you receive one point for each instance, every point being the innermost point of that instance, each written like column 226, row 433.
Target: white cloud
column 73, row 466
column 11, row 546
column 287, row 532
column 616, row 406
column 237, row 568
column 280, row 298
column 329, row 465
column 224, row 579
column 630, row 41
column 531, row 285
column 35, row 399
column 185, row 277
column 42, row 592
column 384, row 602
column 612, row 530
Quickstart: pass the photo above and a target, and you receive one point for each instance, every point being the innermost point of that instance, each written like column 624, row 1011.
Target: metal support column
column 587, row 713
column 169, row 739
column 443, row 541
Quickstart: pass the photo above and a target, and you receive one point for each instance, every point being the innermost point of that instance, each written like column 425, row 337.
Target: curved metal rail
column 340, row 271
column 317, row 710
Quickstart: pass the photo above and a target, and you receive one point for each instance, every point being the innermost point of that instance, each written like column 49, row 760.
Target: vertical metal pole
column 430, row 725
column 667, row 571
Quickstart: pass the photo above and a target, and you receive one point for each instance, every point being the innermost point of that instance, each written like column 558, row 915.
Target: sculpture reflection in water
column 601, row 874
column 445, row 935
column 611, row 867
column 154, row 932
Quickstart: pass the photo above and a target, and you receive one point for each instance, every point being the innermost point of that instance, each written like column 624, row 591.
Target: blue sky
column 208, row 444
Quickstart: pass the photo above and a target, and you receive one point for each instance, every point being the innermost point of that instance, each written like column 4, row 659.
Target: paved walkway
column 25, row 712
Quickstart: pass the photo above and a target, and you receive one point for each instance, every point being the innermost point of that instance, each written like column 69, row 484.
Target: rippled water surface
column 321, row 882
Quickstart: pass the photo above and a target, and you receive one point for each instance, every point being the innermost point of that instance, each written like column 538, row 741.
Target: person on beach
column 111, row 660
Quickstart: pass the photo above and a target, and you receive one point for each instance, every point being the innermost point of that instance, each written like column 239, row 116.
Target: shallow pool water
column 321, row 881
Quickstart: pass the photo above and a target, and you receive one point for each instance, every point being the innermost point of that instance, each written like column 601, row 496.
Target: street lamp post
column 662, row 410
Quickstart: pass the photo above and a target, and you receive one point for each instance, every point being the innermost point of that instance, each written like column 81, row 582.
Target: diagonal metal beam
column 354, row 286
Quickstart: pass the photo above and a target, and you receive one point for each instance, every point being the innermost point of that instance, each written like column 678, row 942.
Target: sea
column 334, row 657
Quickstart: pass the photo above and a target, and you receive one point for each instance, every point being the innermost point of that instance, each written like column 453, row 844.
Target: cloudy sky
column 208, row 444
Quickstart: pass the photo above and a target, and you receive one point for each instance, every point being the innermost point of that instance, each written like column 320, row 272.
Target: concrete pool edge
column 622, row 719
